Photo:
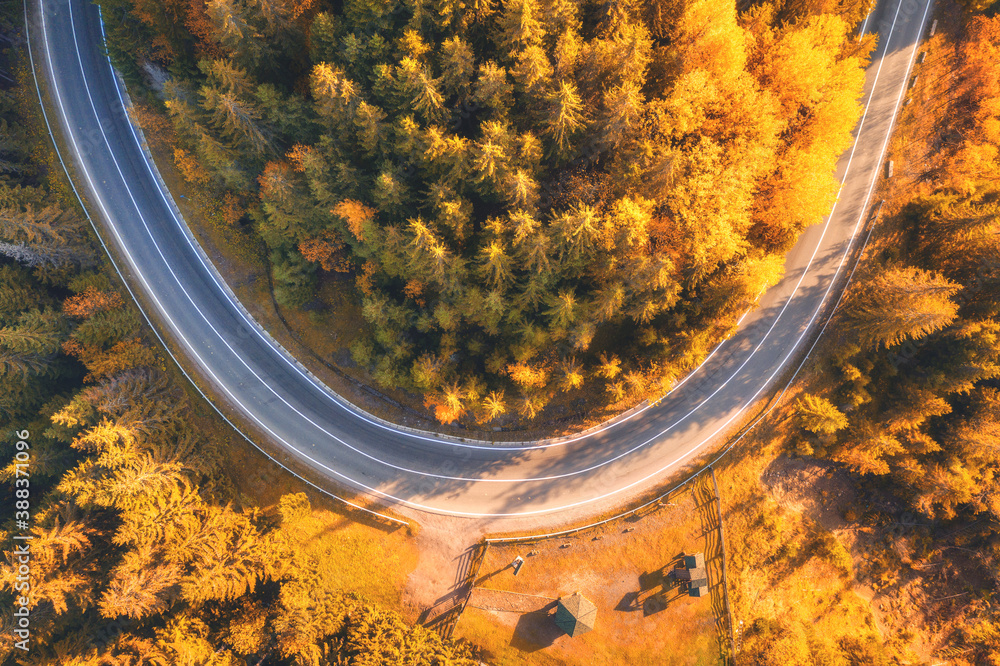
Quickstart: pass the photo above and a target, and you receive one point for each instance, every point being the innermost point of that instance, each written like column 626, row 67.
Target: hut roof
column 575, row 614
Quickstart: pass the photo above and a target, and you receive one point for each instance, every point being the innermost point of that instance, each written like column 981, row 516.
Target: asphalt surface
column 247, row 374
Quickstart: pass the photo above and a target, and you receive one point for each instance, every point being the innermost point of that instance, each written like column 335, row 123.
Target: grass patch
column 353, row 557
column 353, row 553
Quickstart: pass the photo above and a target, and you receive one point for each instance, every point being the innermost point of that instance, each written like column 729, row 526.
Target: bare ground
column 642, row 616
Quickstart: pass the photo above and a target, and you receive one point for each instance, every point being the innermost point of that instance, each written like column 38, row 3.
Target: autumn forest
column 528, row 201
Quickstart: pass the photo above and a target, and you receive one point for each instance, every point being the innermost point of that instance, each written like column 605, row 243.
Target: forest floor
column 370, row 558
column 917, row 589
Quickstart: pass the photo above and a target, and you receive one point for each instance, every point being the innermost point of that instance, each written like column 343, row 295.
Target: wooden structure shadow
column 443, row 616
column 707, row 503
column 657, row 590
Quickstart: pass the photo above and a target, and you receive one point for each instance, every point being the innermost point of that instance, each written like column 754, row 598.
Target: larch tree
column 901, row 304
column 818, row 415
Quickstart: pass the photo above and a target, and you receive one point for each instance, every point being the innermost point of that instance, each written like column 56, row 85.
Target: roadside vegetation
column 533, row 203
column 142, row 550
column 917, row 352
column 897, row 438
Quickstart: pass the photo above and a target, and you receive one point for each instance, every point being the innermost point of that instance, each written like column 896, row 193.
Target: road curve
column 247, row 373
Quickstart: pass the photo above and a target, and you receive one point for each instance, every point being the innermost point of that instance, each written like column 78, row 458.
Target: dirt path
column 509, row 602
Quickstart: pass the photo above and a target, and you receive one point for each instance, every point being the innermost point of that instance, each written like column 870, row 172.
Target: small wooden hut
column 576, row 614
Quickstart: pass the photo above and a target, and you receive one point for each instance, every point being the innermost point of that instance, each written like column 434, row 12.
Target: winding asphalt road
column 265, row 390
